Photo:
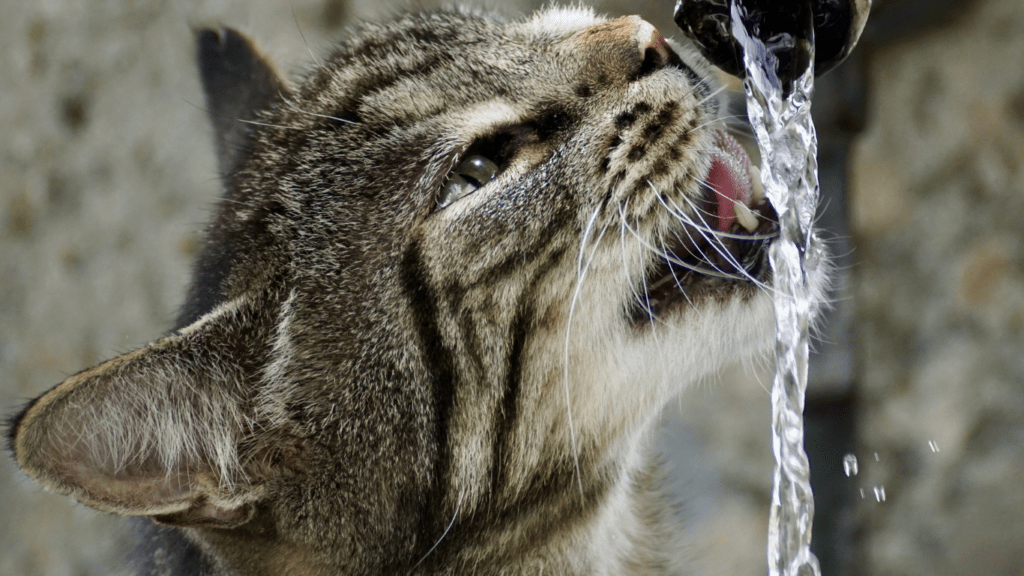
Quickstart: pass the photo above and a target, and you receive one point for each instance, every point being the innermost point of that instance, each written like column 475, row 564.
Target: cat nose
column 641, row 47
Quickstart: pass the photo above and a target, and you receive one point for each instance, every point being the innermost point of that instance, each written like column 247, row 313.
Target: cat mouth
column 722, row 241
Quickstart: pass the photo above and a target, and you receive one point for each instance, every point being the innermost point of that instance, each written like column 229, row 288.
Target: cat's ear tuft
column 166, row 431
column 238, row 81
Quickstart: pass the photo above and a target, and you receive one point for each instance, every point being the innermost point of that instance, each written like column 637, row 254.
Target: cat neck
column 608, row 517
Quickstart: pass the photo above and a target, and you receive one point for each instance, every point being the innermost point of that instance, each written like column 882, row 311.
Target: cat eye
column 470, row 174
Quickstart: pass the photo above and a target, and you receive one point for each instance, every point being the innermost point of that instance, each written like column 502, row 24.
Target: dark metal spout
column 786, row 27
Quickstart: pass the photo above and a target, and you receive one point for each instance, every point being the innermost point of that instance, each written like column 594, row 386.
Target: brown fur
column 363, row 382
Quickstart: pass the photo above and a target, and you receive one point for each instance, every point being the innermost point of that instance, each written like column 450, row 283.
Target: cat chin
column 624, row 366
column 688, row 345
column 696, row 338
column 735, row 325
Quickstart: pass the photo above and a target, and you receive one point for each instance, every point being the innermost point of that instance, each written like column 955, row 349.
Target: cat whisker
column 711, row 188
column 643, row 301
column 672, row 259
column 268, row 125
column 710, row 122
column 634, row 295
column 713, row 94
column 582, row 267
column 315, row 115
column 678, row 283
column 298, row 27
column 455, row 515
column 586, row 232
column 701, row 212
column 725, row 253
column 712, row 236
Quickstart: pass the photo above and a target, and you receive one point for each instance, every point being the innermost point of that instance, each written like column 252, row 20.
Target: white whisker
column 269, row 125
column 672, row 259
column 315, row 115
column 678, row 283
column 582, row 267
column 455, row 515
column 711, row 238
column 303, row 36
column 643, row 301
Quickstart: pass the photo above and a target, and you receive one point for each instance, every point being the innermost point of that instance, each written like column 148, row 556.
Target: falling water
column 786, row 137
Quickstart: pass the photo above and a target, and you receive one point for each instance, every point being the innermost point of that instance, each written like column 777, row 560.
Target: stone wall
column 937, row 197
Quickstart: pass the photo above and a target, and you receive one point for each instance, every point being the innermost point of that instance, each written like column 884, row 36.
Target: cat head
column 454, row 273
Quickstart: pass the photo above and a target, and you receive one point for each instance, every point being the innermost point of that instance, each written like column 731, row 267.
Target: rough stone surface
column 937, row 197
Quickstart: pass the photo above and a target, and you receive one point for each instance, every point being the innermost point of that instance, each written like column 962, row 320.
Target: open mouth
column 722, row 243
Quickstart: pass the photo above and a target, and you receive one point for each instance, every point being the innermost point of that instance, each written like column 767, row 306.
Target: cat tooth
column 745, row 217
column 756, row 185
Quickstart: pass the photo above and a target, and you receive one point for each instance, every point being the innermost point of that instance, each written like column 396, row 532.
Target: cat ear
column 164, row 431
column 238, row 81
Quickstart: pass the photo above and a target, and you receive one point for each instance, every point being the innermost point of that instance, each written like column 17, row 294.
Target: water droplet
column 876, row 456
column 861, row 493
column 933, row 445
column 850, row 465
column 880, row 493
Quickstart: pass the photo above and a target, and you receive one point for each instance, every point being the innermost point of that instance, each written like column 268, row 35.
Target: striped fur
column 363, row 382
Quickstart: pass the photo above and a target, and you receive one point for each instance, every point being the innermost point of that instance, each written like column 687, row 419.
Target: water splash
column 879, row 493
column 850, row 465
column 788, row 143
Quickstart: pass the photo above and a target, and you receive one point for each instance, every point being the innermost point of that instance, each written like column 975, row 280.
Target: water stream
column 788, row 143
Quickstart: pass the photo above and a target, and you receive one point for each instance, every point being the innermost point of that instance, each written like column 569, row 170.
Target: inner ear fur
column 165, row 431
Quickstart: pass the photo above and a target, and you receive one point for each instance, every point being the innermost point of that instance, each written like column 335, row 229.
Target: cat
column 455, row 274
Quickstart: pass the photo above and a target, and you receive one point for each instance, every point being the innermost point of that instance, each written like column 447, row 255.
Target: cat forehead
column 561, row 21
column 466, row 30
column 426, row 62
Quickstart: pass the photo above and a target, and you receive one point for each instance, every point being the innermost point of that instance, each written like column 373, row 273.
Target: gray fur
column 363, row 383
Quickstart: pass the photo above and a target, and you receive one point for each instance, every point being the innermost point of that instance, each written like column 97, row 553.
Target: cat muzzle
column 724, row 241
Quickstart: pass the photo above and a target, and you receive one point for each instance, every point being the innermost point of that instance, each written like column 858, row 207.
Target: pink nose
column 628, row 31
column 630, row 36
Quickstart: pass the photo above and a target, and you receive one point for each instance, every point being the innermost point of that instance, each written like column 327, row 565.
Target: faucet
column 793, row 30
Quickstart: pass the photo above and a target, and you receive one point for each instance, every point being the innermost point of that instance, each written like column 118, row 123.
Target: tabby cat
column 456, row 273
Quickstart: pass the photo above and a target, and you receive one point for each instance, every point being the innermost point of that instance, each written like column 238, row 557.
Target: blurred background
column 107, row 175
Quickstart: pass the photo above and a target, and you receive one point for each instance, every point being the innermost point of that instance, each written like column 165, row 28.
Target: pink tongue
column 729, row 178
column 727, row 187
